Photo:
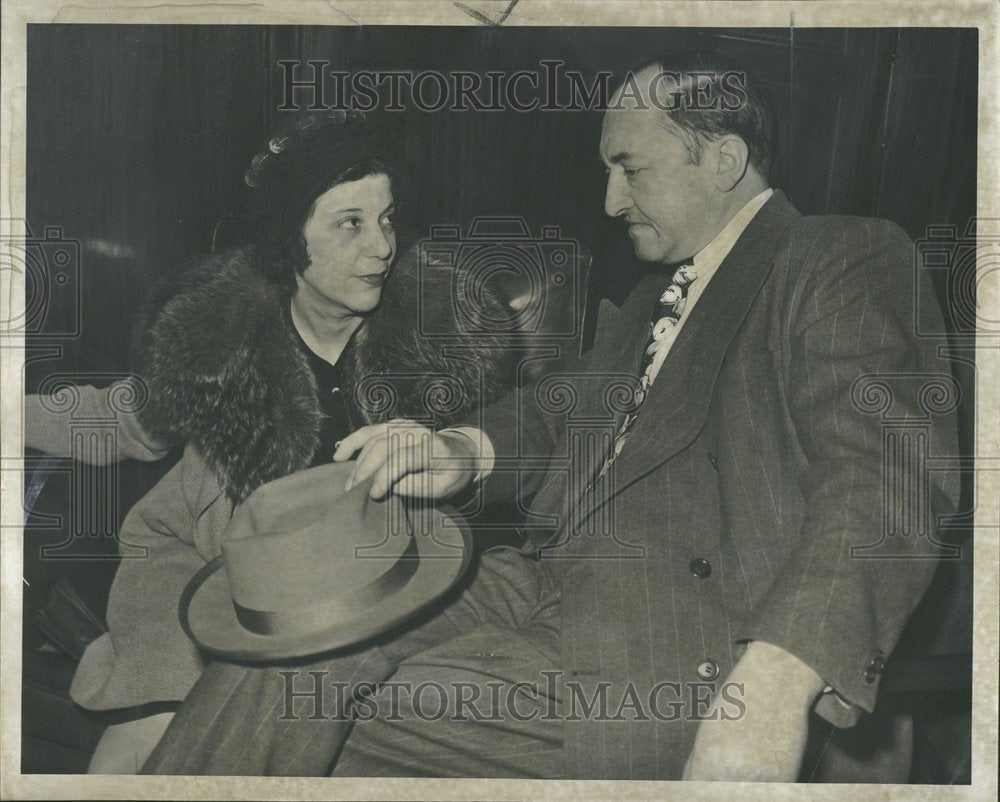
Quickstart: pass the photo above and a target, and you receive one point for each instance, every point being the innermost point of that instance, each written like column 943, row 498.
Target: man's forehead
column 624, row 131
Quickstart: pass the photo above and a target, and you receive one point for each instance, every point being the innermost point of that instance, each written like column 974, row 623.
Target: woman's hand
column 409, row 459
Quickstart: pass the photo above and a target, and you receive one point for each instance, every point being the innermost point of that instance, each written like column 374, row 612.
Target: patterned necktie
column 669, row 309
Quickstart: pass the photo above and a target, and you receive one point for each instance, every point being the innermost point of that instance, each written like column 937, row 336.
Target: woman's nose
column 381, row 243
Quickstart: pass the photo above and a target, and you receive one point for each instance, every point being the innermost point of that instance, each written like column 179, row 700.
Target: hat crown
column 301, row 540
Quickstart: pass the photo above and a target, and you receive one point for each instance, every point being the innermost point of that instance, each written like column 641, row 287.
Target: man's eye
column 630, row 172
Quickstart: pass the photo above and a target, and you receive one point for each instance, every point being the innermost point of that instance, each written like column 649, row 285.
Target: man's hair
column 734, row 99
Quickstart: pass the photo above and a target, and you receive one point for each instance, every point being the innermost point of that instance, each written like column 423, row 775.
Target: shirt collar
column 711, row 256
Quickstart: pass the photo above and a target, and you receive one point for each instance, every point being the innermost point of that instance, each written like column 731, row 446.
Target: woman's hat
column 310, row 149
column 307, row 568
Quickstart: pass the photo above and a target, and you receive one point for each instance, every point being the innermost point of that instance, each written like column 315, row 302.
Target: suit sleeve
column 527, row 427
column 838, row 607
column 518, row 434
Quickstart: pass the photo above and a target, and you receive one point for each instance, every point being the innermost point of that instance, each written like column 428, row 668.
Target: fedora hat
column 307, row 568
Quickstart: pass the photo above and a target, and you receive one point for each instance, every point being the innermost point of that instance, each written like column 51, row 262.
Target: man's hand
column 409, row 459
column 768, row 742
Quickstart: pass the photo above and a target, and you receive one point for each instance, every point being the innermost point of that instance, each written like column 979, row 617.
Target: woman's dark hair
column 282, row 254
column 312, row 153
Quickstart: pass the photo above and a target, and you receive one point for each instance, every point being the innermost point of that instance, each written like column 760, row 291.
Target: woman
column 260, row 361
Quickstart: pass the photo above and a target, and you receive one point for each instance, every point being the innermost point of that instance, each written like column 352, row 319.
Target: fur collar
column 226, row 374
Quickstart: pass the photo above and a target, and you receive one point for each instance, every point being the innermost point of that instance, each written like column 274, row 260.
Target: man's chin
column 646, row 250
column 645, row 243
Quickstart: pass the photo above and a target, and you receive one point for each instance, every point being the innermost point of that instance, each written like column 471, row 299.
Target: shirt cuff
column 485, row 455
column 836, row 709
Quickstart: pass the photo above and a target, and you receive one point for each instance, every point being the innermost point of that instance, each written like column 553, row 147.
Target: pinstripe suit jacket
column 751, row 477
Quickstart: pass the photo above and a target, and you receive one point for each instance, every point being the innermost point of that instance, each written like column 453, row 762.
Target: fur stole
column 227, row 376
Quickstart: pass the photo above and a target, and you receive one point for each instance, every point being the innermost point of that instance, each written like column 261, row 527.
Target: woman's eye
column 351, row 224
column 389, row 220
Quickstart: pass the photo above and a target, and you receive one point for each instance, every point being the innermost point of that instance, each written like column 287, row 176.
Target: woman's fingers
column 431, row 466
column 356, row 440
column 381, row 446
column 407, row 457
column 398, row 454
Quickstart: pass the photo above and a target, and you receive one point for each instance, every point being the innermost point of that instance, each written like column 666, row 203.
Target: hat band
column 306, row 620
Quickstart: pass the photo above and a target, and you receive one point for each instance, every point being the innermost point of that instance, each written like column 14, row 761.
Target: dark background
column 138, row 137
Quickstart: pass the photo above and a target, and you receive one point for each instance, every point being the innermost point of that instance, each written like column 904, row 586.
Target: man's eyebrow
column 617, row 158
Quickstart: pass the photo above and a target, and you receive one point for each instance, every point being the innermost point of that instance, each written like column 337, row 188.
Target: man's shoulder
column 844, row 232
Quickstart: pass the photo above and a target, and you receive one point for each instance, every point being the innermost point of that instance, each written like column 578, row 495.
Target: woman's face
column 351, row 244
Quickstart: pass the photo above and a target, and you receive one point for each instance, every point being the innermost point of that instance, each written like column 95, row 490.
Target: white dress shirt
column 705, row 263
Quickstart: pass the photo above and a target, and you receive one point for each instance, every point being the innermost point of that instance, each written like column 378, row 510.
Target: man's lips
column 373, row 279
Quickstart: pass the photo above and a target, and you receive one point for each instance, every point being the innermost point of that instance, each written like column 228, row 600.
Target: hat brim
column 209, row 617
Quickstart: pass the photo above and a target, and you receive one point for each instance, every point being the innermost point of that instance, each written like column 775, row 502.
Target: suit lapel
column 622, row 330
column 675, row 409
column 621, row 334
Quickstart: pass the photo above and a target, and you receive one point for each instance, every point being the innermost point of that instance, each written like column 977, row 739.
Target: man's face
column 670, row 204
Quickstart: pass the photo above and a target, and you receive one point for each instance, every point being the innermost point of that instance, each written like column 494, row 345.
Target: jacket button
column 714, row 461
column 708, row 669
column 875, row 667
column 700, row 568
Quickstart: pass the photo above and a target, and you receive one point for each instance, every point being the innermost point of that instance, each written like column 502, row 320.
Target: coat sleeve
column 855, row 365
column 528, row 426
column 167, row 537
column 50, row 424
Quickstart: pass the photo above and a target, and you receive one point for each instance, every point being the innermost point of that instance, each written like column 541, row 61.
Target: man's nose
column 616, row 196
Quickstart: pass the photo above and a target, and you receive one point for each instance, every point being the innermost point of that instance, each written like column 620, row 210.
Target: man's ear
column 732, row 158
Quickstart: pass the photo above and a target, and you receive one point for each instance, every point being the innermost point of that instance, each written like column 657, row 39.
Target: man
column 722, row 604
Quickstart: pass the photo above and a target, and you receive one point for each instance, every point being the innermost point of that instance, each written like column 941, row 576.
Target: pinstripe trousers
column 464, row 691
